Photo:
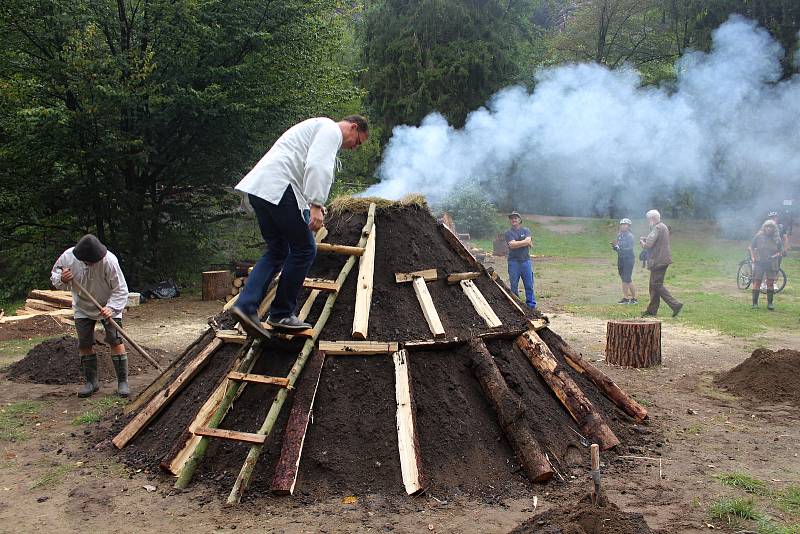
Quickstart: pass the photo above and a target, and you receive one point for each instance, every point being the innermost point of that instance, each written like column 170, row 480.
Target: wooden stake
column 429, row 275
column 321, row 284
column 407, row 442
column 479, row 303
column 428, row 309
column 309, row 303
column 366, row 269
column 457, row 277
column 340, row 249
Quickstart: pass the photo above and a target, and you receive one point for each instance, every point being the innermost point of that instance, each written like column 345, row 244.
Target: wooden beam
column 433, row 344
column 361, row 348
column 231, row 336
column 479, row 303
column 308, row 332
column 321, row 284
column 231, row 435
column 340, row 249
column 55, row 313
column 428, row 309
column 407, row 442
column 308, row 304
column 160, row 401
column 589, row 420
column 428, row 274
column 294, row 435
column 457, row 277
column 258, row 379
column 366, row 269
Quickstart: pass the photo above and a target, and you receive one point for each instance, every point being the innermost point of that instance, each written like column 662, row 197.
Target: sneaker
column 250, row 323
column 633, row 301
column 288, row 323
column 677, row 310
column 624, row 301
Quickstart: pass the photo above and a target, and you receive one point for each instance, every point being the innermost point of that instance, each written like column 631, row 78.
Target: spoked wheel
column 744, row 277
column 780, row 282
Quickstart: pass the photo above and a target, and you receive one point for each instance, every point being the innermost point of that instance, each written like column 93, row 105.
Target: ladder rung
column 289, row 334
column 321, row 284
column 340, row 249
column 258, row 379
column 232, row 435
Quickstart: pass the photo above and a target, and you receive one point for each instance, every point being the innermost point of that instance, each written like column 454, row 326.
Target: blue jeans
column 522, row 269
column 291, row 250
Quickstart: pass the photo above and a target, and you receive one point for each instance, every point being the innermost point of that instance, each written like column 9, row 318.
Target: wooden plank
column 428, row 274
column 366, row 269
column 309, row 303
column 321, row 284
column 56, row 313
column 340, row 249
column 457, row 277
column 160, row 401
column 479, row 303
column 308, row 332
column 231, row 435
column 407, row 442
column 294, row 434
column 231, row 336
column 258, row 379
column 332, row 348
column 428, row 309
column 433, row 344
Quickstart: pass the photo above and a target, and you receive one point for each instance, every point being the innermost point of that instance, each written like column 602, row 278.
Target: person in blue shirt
column 519, row 259
column 626, row 259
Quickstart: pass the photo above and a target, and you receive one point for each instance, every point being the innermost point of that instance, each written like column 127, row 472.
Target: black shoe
column 250, row 323
column 677, row 310
column 624, row 301
column 633, row 301
column 288, row 323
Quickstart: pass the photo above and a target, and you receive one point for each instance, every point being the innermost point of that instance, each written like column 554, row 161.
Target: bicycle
column 744, row 277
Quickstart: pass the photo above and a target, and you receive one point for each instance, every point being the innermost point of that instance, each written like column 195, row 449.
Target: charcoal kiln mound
column 453, row 390
column 56, row 361
column 766, row 376
column 585, row 518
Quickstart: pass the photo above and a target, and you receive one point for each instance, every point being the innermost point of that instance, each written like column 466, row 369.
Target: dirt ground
column 61, row 479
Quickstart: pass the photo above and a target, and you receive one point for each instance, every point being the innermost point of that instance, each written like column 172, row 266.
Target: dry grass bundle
column 361, row 204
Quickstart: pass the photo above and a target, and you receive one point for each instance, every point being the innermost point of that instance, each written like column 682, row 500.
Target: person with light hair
column 766, row 250
column 659, row 258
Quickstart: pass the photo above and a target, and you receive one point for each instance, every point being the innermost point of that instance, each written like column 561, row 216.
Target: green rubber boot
column 770, row 295
column 756, row 293
column 121, row 367
column 89, row 370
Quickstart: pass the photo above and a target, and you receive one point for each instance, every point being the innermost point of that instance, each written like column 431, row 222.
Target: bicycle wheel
column 780, row 282
column 744, row 277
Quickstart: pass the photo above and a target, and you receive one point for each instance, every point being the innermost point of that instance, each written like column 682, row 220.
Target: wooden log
column 428, row 274
column 366, row 269
column 407, row 441
column 294, row 434
column 340, row 249
column 480, row 304
column 216, row 284
column 589, row 420
column 238, row 281
column 510, row 413
column 158, row 403
column 361, row 348
column 61, row 299
column 428, row 308
column 600, row 379
column 16, row 318
column 633, row 343
column 40, row 305
column 457, row 277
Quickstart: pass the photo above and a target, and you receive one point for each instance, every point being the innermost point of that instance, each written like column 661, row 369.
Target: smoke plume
column 590, row 140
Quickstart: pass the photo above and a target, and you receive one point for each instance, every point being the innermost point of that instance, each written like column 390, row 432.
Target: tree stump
column 633, row 343
column 216, row 284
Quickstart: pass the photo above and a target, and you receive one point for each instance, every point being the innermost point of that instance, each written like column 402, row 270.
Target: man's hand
column 317, row 218
column 107, row 312
column 66, row 276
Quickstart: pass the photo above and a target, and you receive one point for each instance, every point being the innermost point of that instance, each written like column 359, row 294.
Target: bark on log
column 60, row 299
column 589, row 420
column 216, row 284
column 633, row 343
column 510, row 413
column 600, row 379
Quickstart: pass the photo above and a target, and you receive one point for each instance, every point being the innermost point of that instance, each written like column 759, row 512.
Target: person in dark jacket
column 765, row 252
column 626, row 259
column 659, row 258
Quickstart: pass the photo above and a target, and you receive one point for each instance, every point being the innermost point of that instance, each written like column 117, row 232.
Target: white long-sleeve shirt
column 104, row 280
column 304, row 157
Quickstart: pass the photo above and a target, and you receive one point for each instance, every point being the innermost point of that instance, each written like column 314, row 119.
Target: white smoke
column 588, row 137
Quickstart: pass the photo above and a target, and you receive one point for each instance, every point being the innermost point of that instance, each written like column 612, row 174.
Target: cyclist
column 765, row 252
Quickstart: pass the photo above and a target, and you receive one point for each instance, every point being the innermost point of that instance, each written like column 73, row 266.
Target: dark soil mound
column 56, row 361
column 585, row 518
column 39, row 325
column 766, row 376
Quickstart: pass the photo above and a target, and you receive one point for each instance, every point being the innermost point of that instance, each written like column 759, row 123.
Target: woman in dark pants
column 625, row 261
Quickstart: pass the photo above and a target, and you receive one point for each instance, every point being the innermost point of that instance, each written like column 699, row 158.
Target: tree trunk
column 216, row 284
column 633, row 343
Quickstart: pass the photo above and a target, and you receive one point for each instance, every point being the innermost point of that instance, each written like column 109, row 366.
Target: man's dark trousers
column 291, row 249
column 658, row 291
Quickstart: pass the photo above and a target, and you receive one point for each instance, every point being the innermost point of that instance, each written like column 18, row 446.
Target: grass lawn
column 575, row 270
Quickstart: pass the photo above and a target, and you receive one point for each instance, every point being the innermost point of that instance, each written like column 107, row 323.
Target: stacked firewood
column 45, row 300
column 236, row 287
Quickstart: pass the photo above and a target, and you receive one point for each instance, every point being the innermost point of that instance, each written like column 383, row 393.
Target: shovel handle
column 595, row 457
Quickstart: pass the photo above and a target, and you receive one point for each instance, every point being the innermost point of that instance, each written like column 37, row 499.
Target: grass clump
column 734, row 510
column 53, row 476
column 744, row 481
column 97, row 409
column 789, row 500
column 15, row 417
column 361, row 204
column 767, row 526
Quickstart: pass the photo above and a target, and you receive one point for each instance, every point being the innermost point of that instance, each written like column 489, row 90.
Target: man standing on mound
column 98, row 272
column 519, row 259
column 287, row 189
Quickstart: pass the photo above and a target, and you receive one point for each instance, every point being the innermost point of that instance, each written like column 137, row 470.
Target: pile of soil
column 769, row 376
column 38, row 325
column 56, row 361
column 585, row 518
